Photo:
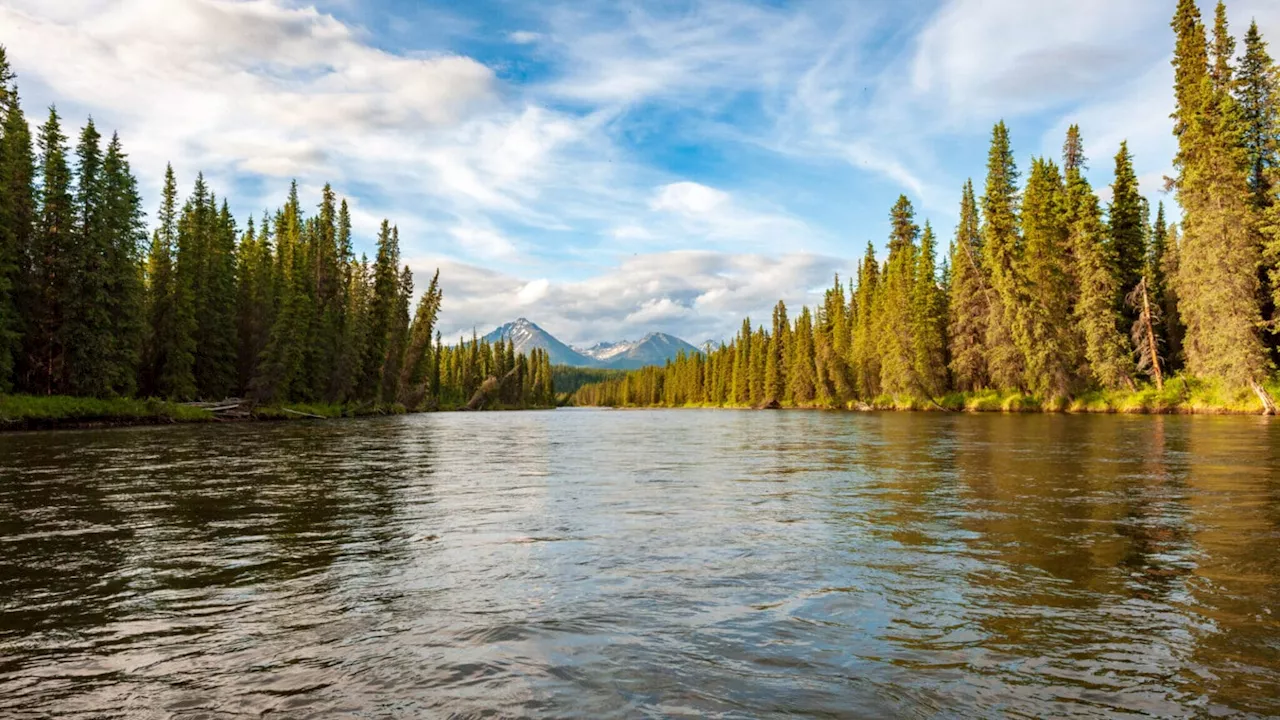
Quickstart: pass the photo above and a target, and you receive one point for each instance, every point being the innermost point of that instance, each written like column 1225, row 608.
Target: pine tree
column 1258, row 96
column 1001, row 246
column 1127, row 229
column 803, row 374
column 50, row 271
column 929, row 320
column 970, row 300
column 894, row 328
column 171, row 350
column 254, row 300
column 775, row 379
column 122, row 210
column 398, row 335
column 18, row 214
column 415, row 375
column 218, row 348
column 1105, row 348
column 280, row 367
column 1046, row 337
column 1217, row 284
column 864, row 350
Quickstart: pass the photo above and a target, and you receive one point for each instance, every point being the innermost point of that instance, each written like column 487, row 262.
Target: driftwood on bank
column 1268, row 403
column 241, row 409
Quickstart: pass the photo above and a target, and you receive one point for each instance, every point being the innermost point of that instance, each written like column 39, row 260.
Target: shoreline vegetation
column 1051, row 297
column 1180, row 396
column 62, row 412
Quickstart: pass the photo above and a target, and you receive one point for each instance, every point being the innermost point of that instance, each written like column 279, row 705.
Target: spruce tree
column 171, row 354
column 864, row 349
column 415, row 375
column 1001, row 245
column 1047, row 338
column 802, row 372
column 51, row 271
column 217, row 353
column 775, row 380
column 398, row 335
column 84, row 331
column 1217, row 283
column 18, row 213
column 1127, row 229
column 1105, row 347
column 1258, row 96
column 894, row 328
column 970, row 300
column 929, row 320
column 122, row 267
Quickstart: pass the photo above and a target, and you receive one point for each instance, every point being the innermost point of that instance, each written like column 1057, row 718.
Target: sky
column 611, row 168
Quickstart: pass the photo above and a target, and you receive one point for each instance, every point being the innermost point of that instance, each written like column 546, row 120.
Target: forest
column 1046, row 299
column 278, row 310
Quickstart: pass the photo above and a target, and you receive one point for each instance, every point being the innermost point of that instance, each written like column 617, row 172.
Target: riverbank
column 29, row 412
column 57, row 412
column 1180, row 396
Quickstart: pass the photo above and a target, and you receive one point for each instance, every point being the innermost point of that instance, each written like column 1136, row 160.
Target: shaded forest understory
column 1047, row 299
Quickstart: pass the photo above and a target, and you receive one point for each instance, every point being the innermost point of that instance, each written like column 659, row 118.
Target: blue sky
column 609, row 168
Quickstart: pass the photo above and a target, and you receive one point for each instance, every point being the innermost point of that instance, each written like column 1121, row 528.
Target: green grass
column 41, row 411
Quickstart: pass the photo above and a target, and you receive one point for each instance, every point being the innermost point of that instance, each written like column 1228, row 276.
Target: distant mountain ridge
column 653, row 349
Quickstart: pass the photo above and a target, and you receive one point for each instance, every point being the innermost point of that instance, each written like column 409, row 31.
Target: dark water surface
column 600, row 564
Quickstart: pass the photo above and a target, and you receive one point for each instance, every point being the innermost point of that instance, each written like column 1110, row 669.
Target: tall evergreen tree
column 1047, row 339
column 1001, row 246
column 1126, row 226
column 1105, row 347
column 50, row 272
column 970, row 299
column 171, row 332
column 122, row 268
column 929, row 320
column 415, row 375
column 1217, row 283
column 398, row 335
column 803, row 375
column 894, row 329
column 17, row 228
column 864, row 349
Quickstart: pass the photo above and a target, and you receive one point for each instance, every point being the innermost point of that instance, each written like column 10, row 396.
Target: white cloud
column 692, row 294
column 985, row 57
column 689, row 199
column 524, row 37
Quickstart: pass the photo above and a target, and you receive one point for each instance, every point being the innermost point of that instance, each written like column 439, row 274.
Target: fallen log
column 308, row 415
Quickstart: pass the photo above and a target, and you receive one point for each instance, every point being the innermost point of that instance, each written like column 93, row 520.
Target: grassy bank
column 38, row 412
column 20, row 412
column 41, row 412
column 1180, row 396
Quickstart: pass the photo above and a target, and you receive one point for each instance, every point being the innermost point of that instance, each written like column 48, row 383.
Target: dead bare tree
column 1144, row 333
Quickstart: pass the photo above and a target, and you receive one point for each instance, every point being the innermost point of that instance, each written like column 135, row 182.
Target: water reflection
column 616, row 564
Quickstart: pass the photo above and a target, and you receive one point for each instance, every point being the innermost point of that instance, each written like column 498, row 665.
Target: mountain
column 653, row 349
column 527, row 336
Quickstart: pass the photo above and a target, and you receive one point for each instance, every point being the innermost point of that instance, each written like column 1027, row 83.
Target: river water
column 599, row 564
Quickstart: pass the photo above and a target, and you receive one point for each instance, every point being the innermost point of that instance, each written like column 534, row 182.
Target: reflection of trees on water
column 63, row 538
column 1233, row 478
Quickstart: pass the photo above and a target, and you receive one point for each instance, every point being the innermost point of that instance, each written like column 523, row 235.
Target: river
column 601, row 564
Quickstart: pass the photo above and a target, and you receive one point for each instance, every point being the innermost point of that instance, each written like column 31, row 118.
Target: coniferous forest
column 1046, row 297
column 279, row 310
